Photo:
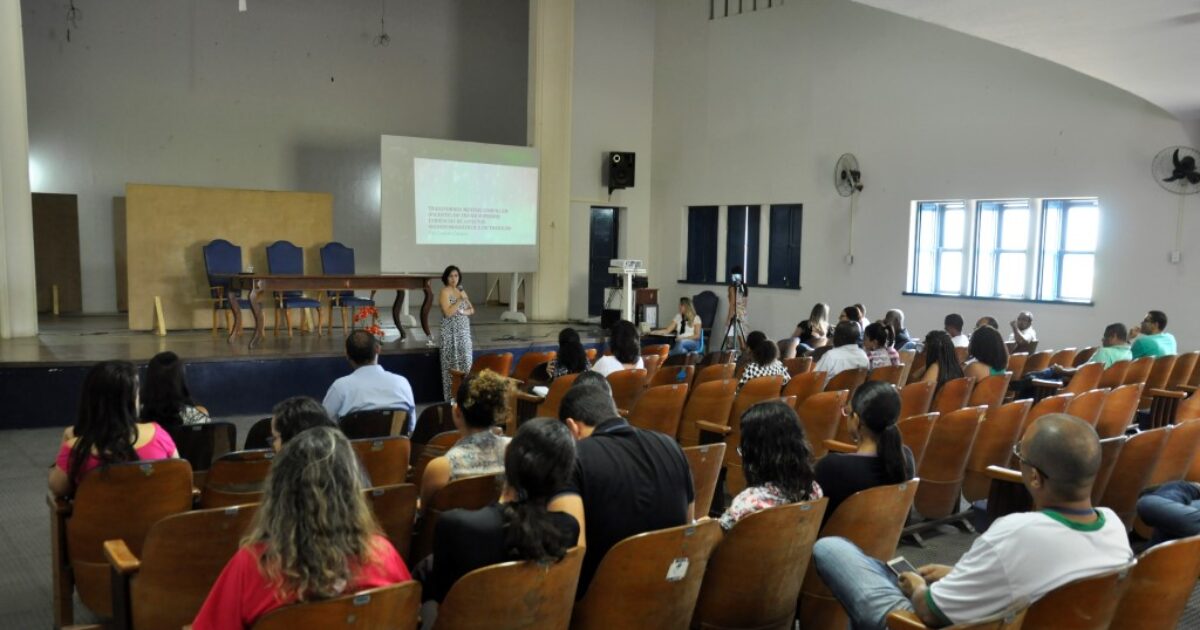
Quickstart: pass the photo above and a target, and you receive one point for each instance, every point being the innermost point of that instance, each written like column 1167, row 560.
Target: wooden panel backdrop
column 166, row 226
column 56, row 251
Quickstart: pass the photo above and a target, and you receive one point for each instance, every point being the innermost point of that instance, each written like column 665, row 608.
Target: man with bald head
column 1022, row 556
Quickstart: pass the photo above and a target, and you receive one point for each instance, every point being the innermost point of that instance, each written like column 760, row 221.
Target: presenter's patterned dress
column 456, row 344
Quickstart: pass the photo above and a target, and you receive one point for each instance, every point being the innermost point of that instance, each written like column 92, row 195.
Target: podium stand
column 627, row 273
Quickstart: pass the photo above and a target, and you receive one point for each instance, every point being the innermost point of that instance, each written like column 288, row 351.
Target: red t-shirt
column 242, row 593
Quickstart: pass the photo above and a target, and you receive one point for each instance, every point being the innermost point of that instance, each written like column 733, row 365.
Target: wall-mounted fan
column 1177, row 169
column 847, row 177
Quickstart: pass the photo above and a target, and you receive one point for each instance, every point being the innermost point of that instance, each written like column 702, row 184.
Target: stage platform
column 40, row 377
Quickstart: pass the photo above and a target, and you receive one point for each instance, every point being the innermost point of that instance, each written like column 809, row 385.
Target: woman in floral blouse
column 764, row 361
column 776, row 459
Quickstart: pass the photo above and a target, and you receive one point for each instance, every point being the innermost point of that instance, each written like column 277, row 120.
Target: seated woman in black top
column 537, row 465
column 881, row 459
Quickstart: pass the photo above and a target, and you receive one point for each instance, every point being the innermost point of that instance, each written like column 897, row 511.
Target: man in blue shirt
column 369, row 386
column 1151, row 339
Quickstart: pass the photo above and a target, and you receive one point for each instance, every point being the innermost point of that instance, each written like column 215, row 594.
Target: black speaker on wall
column 619, row 170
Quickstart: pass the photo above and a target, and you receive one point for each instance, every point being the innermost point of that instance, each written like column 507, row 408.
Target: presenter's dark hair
column 775, row 451
column 537, row 464
column 297, row 414
column 361, row 347
column 446, row 275
column 165, row 393
column 939, row 350
column 623, row 341
column 483, row 399
column 877, row 405
column 107, row 416
column 571, row 354
column 987, row 346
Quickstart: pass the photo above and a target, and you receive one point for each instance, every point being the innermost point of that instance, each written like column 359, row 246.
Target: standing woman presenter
column 456, row 327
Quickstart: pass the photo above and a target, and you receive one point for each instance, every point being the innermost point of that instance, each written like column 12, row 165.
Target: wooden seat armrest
column 837, row 446
column 714, row 428
column 59, row 506
column 1000, row 473
column 1187, row 389
column 904, row 620
column 120, row 557
column 1162, row 393
column 1046, row 383
column 530, row 398
column 624, row 413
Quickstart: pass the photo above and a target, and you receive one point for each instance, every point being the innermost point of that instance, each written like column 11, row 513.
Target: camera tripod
column 735, row 336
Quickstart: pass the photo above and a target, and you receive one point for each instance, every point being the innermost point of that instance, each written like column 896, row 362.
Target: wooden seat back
column 713, row 372
column 1016, row 363
column 1087, row 405
column 435, row 448
column 802, row 386
column 872, row 519
column 498, row 362
column 1064, row 357
column 1160, row 372
column 202, row 444
column 1011, row 619
column 990, row 391
column 762, row 593
column 659, row 409
column 1160, row 586
column 530, row 360
column 849, row 380
column 915, row 367
column 755, row 390
column 662, row 350
column 821, row 415
column 558, row 390
column 236, row 478
column 1113, row 376
column 395, row 507
column 468, row 493
column 1118, row 410
column 916, row 398
column 953, row 395
column 1177, row 454
column 1086, row 604
column 1085, row 379
column 961, row 354
column 914, row 433
column 993, row 445
column 395, row 607
column 1133, row 469
column 385, row 459
column 651, row 363
column 1110, row 452
column 181, row 558
column 434, row 419
column 944, row 463
column 672, row 375
column 1045, row 406
column 119, row 502
column 1139, row 371
column 632, row 573
column 259, row 436
column 906, row 360
column 798, row 365
column 709, row 401
column 627, row 386
column 373, row 423
column 513, row 596
column 705, row 462
column 1083, row 356
column 887, row 374
column 1037, row 362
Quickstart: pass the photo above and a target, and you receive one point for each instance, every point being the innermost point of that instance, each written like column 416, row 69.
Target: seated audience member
column 107, row 430
column 764, row 362
column 987, row 320
column 165, row 396
column 953, row 325
column 686, row 327
column 895, row 319
column 1023, row 334
column 571, row 357
column 990, row 355
column 845, row 355
column 594, row 379
column 626, row 351
column 369, row 387
column 853, row 315
column 862, row 316
column 777, row 460
column 481, row 403
column 877, row 344
column 1116, row 348
column 941, row 364
column 814, row 331
column 881, row 458
column 537, row 465
column 1151, row 339
column 313, row 537
column 1172, row 509
column 1022, row 556
column 745, row 358
column 626, row 480
column 295, row 415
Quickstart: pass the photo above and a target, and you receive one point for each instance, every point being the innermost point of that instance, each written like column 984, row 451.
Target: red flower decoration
column 363, row 312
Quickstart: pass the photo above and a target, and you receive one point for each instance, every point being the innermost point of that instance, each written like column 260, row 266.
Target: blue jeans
column 684, row 346
column 1173, row 510
column 865, row 586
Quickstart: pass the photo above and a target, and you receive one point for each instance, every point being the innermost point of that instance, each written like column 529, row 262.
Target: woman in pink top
column 107, row 431
column 314, row 537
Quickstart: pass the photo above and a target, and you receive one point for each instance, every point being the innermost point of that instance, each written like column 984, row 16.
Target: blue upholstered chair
column 223, row 258
column 285, row 258
column 337, row 260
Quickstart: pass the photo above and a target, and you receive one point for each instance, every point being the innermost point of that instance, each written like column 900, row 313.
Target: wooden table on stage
column 257, row 284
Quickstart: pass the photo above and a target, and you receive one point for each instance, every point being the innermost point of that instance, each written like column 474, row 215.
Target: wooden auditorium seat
column 1007, row 493
column 470, row 493
column 1113, row 376
column 395, row 507
column 798, row 365
column 1087, row 405
column 548, row 407
column 998, row 432
column 1133, row 469
column 990, row 391
column 1086, row 604
column 953, row 395
column 435, row 448
column 1046, row 406
column 1036, row 362
column 755, row 390
column 394, row 607
column 914, row 433
column 916, row 368
column 1160, row 371
column 659, row 409
column 1083, row 356
column 673, row 375
column 498, row 362
column 627, row 386
column 708, row 406
column 916, row 398
column 513, row 596
column 651, row 363
column 1011, row 619
column 1064, row 357
column 259, row 436
column 374, row 423
column 385, row 459
column 202, row 444
column 821, row 415
column 802, row 386
column 716, row 372
column 849, row 380
column 705, row 462
column 529, row 361
column 1120, row 407
column 944, row 465
column 887, row 374
column 1139, row 371
column 1160, row 585
column 663, row 350
column 236, row 478
column 1016, row 364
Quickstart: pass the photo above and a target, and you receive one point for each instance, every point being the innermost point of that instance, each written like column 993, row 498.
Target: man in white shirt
column 954, row 325
column 1023, row 333
column 846, row 354
column 369, row 386
column 1023, row 556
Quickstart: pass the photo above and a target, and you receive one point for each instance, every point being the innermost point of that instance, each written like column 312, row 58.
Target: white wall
column 288, row 96
column 612, row 103
column 757, row 108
